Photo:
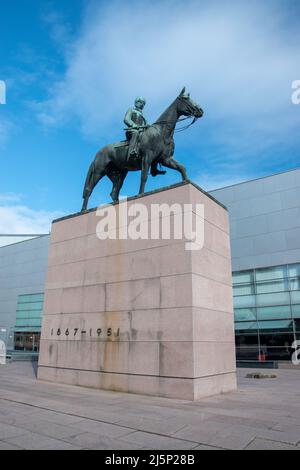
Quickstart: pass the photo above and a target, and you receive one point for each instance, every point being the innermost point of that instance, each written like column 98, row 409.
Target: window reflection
column 28, row 322
column 267, row 312
column 275, row 272
column 244, row 314
column 274, row 312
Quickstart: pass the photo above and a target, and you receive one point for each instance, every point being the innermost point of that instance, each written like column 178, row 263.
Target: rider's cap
column 140, row 98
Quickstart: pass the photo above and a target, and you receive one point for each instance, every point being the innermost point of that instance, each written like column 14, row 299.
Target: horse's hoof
column 114, row 200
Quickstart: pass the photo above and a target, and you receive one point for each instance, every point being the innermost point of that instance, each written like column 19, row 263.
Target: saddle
column 122, row 143
column 134, row 158
column 125, row 143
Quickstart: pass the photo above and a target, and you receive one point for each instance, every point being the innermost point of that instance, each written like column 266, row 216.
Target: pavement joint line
column 105, row 422
column 180, row 429
column 121, row 438
column 276, row 442
column 249, row 443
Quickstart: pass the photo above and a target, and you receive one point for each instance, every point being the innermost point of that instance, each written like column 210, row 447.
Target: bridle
column 184, row 128
column 172, row 122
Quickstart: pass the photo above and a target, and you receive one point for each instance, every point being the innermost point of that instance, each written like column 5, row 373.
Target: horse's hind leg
column 171, row 163
column 97, row 170
column 88, row 190
column 95, row 173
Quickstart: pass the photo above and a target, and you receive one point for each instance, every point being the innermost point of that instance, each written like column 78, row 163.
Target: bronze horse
column 156, row 145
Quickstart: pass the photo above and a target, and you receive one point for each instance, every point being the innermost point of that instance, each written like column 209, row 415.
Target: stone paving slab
column 7, row 446
column 33, row 441
column 158, row 442
column 214, row 434
column 49, row 429
column 263, row 444
column 104, row 429
column 150, row 424
column 98, row 442
column 7, row 431
column 263, row 414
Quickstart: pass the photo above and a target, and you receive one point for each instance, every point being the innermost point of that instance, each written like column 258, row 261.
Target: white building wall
column 264, row 220
column 22, row 271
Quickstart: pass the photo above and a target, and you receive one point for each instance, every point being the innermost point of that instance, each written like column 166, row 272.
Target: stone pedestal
column 146, row 316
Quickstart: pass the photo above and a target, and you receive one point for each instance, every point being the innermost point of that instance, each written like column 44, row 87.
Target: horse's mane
column 165, row 115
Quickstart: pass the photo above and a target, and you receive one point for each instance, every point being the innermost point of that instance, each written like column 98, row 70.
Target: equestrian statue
column 146, row 147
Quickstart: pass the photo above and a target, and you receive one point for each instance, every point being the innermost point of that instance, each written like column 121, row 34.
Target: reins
column 187, row 126
column 171, row 122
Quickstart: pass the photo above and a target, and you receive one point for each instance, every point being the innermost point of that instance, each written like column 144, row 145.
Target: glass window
column 250, row 339
column 281, row 298
column 247, row 353
column 29, row 314
column 240, row 277
column 297, row 325
column 28, row 322
column 295, row 297
column 295, row 283
column 275, row 286
column 244, row 301
column 22, row 315
column 30, row 306
column 29, row 311
column 272, row 313
column 247, row 343
column 27, row 341
column 276, row 346
column 248, row 327
column 275, row 272
column 243, row 289
column 296, row 311
column 294, row 270
column 31, row 298
column 244, row 314
column 275, row 326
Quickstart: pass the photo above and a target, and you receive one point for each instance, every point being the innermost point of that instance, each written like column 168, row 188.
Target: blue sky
column 73, row 67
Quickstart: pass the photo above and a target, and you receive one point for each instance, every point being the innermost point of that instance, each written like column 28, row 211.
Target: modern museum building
column 265, row 246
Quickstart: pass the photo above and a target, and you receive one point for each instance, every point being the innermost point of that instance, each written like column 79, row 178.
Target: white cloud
column 234, row 57
column 16, row 218
column 10, row 197
column 60, row 30
column 210, row 181
column 238, row 60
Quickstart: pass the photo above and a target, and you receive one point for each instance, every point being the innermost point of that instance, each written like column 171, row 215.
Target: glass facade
column 27, row 330
column 267, row 312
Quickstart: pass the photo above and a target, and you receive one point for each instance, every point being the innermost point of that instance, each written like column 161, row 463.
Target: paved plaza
column 263, row 414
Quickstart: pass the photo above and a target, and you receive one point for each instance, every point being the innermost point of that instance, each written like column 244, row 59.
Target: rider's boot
column 155, row 171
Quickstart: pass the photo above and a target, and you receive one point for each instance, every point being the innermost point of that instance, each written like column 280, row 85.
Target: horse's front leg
column 144, row 174
column 171, row 163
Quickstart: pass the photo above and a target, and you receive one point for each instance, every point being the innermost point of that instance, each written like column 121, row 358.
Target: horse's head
column 188, row 107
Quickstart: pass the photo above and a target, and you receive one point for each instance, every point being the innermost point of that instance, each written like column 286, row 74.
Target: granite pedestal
column 144, row 316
